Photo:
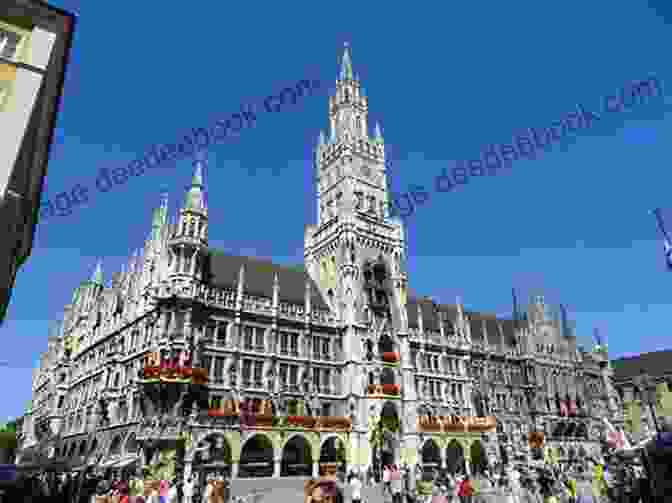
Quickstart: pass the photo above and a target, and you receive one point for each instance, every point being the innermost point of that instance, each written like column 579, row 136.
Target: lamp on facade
column 647, row 391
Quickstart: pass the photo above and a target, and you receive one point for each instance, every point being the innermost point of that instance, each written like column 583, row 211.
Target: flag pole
column 661, row 226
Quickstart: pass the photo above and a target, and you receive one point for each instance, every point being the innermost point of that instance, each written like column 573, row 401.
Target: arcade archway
column 478, row 458
column 431, row 454
column 297, row 459
column 390, row 426
column 455, row 457
column 212, row 457
column 333, row 451
column 256, row 458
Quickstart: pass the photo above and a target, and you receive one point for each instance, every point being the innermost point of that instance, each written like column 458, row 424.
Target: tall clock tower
column 355, row 253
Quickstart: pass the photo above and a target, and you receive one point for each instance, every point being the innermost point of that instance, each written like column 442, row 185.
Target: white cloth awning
column 109, row 463
column 125, row 461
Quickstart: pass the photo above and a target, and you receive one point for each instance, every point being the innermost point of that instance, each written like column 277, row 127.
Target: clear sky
column 443, row 80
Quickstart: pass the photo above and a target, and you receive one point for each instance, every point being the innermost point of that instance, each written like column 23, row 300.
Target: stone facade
column 320, row 328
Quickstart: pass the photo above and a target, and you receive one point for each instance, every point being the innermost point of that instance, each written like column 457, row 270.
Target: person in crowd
column 395, row 483
column 656, row 454
column 466, row 490
column 188, row 489
column 514, row 480
column 355, row 488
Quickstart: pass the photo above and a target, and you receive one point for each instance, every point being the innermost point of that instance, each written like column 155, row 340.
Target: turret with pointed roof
column 188, row 241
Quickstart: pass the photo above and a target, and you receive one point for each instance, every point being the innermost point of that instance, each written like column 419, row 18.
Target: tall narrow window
column 258, row 369
column 249, row 333
column 221, row 334
column 316, row 377
column 9, row 42
column 247, row 373
column 210, row 332
column 259, row 339
column 219, row 371
column 283, row 374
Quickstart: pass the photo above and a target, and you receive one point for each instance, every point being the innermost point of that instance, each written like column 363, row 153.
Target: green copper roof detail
column 97, row 276
column 346, row 65
column 194, row 198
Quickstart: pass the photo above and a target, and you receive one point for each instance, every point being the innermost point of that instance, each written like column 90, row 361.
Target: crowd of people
column 624, row 473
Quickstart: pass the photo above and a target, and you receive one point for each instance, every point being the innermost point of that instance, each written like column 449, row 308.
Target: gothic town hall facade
column 314, row 336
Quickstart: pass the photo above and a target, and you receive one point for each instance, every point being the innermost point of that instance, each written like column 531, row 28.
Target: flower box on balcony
column 428, row 423
column 335, row 422
column 151, row 372
column 295, row 420
column 374, row 389
column 264, row 420
column 217, row 412
column 391, row 357
column 391, row 389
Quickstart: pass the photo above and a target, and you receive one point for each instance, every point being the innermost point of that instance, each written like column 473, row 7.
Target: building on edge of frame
column 342, row 325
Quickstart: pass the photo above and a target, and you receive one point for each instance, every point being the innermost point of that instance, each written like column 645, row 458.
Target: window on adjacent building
column 293, row 375
column 295, row 344
column 284, row 342
column 258, row 369
column 9, row 43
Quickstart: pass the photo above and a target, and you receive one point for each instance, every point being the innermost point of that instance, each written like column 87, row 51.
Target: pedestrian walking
column 355, row 487
column 466, row 490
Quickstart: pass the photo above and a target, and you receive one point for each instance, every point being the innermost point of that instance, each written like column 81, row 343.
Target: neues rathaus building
column 313, row 357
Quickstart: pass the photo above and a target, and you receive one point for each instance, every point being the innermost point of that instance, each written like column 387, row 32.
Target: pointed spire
column 421, row 325
column 241, row 279
column 97, row 276
column 276, row 290
column 378, row 134
column 194, row 199
column 515, row 309
column 346, row 64
column 332, row 138
column 321, row 141
column 563, row 321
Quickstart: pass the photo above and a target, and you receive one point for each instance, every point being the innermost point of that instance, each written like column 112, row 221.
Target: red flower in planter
column 152, row 372
column 391, row 389
column 391, row 357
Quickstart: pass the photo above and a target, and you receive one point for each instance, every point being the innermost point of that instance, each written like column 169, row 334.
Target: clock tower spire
column 354, row 233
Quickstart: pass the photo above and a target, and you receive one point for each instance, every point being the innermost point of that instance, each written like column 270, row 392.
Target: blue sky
column 443, row 80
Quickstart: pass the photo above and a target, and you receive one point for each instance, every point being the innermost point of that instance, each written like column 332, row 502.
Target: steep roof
column 222, row 271
column 430, row 319
column 656, row 364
